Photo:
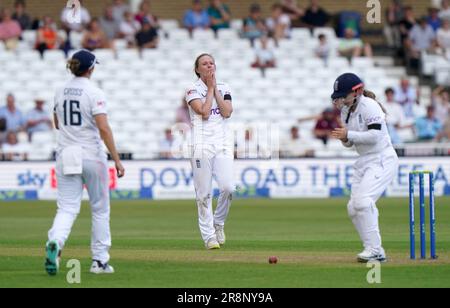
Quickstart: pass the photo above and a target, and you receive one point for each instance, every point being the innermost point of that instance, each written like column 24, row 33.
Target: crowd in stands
column 400, row 103
column 17, row 128
column 142, row 29
column 265, row 30
column 412, row 35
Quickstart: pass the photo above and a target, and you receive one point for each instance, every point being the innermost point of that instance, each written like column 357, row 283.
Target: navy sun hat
column 346, row 84
column 87, row 59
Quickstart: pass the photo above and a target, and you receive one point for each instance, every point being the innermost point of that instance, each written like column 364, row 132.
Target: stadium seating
column 438, row 67
column 144, row 90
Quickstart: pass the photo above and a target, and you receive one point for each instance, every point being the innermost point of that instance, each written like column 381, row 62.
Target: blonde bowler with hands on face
column 210, row 107
column 365, row 129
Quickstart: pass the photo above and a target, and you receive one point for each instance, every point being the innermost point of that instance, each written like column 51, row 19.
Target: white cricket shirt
column 76, row 105
column 215, row 130
column 368, row 113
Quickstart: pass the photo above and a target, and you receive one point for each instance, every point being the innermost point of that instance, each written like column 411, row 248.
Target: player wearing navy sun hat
column 365, row 128
column 86, row 59
column 80, row 115
column 345, row 84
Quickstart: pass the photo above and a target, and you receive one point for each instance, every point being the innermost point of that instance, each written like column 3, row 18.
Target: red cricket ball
column 273, row 260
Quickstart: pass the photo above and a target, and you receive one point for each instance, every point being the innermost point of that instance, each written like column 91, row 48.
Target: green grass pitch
column 157, row 244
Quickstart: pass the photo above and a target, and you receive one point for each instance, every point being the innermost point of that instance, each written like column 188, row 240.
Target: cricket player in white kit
column 80, row 115
column 210, row 105
column 365, row 129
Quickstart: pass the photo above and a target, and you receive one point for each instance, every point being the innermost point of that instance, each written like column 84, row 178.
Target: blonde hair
column 372, row 95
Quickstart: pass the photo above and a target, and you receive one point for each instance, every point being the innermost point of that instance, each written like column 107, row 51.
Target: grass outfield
column 157, row 244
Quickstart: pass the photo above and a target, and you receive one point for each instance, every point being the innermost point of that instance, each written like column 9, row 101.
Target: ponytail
column 372, row 95
column 74, row 66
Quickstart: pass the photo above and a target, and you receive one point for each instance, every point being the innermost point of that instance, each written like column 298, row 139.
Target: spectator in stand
column 147, row 37
column 73, row 26
column 21, row 16
column 433, row 18
column 15, row 120
column 315, row 16
column 254, row 25
column 445, row 10
column 407, row 23
column 38, row 120
column 182, row 115
column 279, row 24
column 394, row 15
column 443, row 36
column 429, row 127
column 129, row 28
column 441, row 103
column 326, row 125
column 119, row 8
column 293, row 10
column 351, row 47
column 13, row 150
column 349, row 19
column 10, row 30
column 323, row 49
column 248, row 147
column 108, row 24
column 407, row 96
column 197, row 17
column 294, row 146
column 165, row 145
column 265, row 57
column 395, row 117
column 145, row 14
column 422, row 38
column 94, row 37
column 47, row 36
column 445, row 133
column 219, row 14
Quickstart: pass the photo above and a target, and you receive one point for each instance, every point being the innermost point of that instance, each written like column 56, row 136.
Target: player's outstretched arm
column 107, row 136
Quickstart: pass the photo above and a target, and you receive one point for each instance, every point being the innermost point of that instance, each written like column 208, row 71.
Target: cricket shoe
column 100, row 268
column 220, row 234
column 370, row 255
column 212, row 244
column 53, row 256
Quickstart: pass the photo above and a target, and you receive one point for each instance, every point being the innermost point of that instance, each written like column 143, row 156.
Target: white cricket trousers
column 373, row 174
column 208, row 162
column 70, row 192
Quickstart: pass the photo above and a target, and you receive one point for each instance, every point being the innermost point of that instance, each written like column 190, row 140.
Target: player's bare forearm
column 206, row 108
column 55, row 121
column 203, row 109
column 108, row 138
column 107, row 135
column 225, row 106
